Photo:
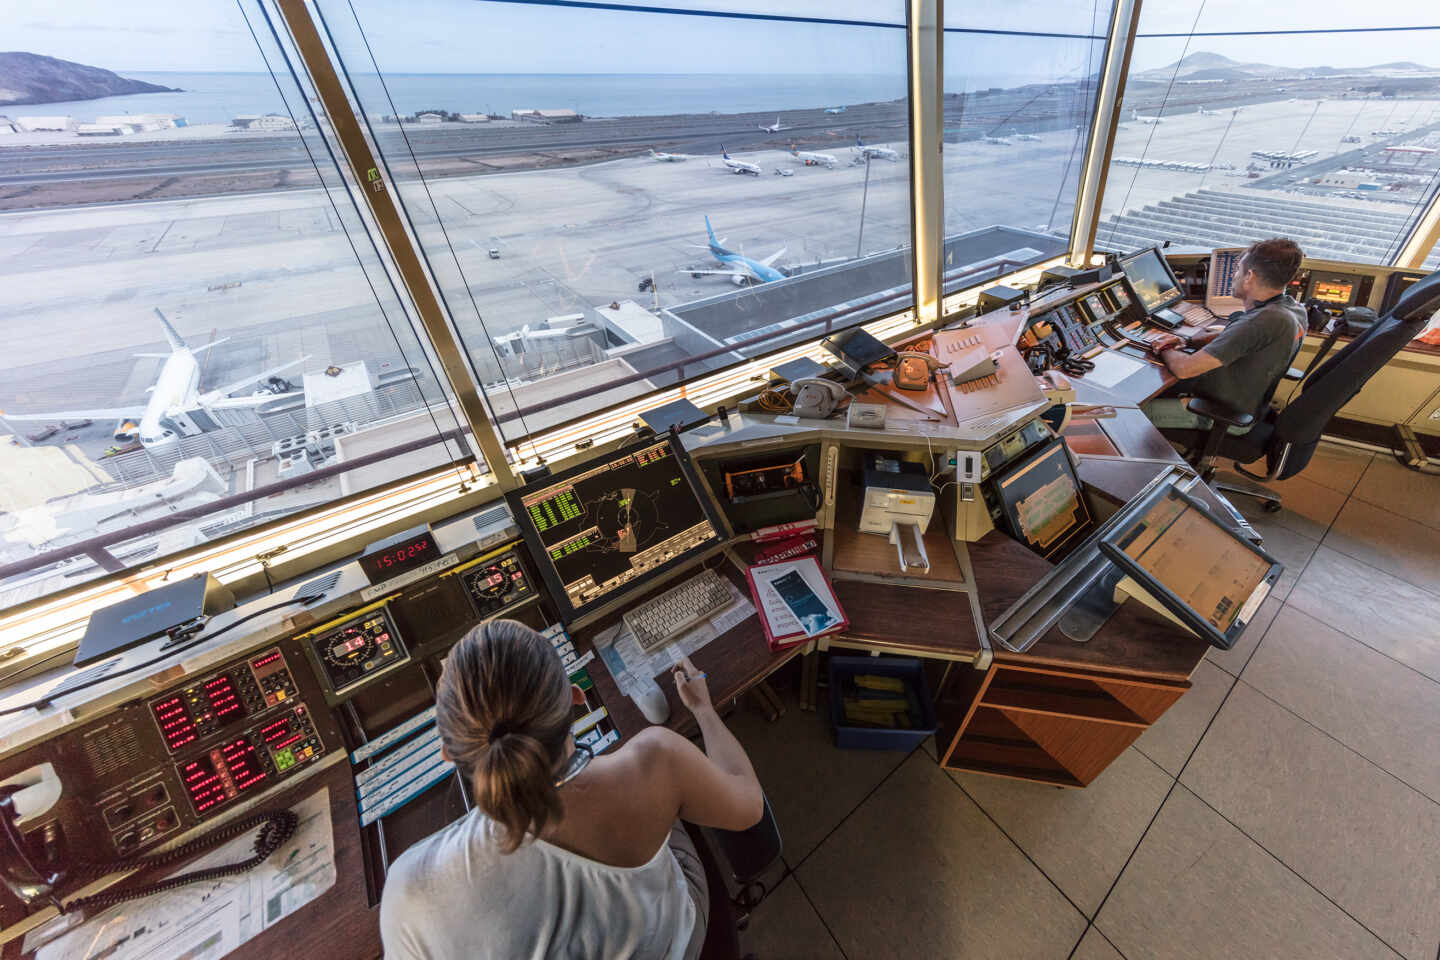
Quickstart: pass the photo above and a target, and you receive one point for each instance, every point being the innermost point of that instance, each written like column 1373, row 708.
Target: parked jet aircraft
column 774, row 127
column 869, row 152
column 836, row 110
column 669, row 157
column 814, row 159
column 1135, row 115
column 176, row 406
column 741, row 269
column 738, row 166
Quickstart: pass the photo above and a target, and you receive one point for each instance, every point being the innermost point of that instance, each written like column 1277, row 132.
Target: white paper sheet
column 635, row 670
column 1111, row 368
column 206, row 921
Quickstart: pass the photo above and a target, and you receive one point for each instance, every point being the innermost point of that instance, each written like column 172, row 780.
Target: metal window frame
column 1115, row 70
column 925, row 49
column 349, row 132
column 1423, row 237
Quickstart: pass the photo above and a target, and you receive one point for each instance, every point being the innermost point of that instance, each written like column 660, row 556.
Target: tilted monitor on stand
column 611, row 526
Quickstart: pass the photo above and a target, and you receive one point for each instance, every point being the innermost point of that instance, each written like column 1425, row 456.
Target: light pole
column 864, row 198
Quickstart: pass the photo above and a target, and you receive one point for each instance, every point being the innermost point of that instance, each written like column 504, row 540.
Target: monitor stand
column 1101, row 599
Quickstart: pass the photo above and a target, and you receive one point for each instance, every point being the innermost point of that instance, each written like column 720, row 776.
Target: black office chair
column 747, row 855
column 1287, row 438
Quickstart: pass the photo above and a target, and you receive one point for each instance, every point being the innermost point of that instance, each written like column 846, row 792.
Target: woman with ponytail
column 563, row 855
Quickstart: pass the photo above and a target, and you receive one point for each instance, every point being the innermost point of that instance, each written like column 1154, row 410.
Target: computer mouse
column 652, row 703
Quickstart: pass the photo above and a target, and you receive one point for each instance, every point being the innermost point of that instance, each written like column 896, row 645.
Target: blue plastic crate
column 912, row 672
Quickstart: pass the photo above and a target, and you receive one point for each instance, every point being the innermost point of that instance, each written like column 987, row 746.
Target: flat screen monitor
column 1152, row 280
column 1040, row 497
column 1197, row 567
column 610, row 526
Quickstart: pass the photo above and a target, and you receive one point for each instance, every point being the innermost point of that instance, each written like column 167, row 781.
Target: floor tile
column 1309, row 507
column 1410, row 494
column 1382, row 710
column 812, row 785
column 1080, row 838
column 1232, row 661
column 1199, row 889
column 919, row 871
column 1395, row 544
column 1337, row 466
column 1358, row 835
column 1290, row 548
column 1094, row 946
column 1370, row 605
column 785, row 925
column 1169, row 740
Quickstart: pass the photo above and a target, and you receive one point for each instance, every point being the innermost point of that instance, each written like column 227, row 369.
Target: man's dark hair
column 1275, row 261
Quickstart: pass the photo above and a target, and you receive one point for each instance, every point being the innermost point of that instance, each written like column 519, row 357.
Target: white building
column 429, row 118
column 270, row 121
column 142, row 121
column 474, row 118
column 36, row 124
column 98, row 129
column 545, row 116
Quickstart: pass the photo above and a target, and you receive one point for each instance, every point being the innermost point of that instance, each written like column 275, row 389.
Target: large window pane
column 194, row 310
column 1019, row 96
column 558, row 165
column 1325, row 133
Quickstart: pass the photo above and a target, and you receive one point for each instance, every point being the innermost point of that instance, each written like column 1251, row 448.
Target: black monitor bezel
column 1187, row 615
column 1128, row 259
column 567, row 611
column 1008, row 505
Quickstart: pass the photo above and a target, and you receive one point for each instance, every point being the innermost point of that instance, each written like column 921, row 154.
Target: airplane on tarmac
column 176, row 405
column 1023, row 136
column 997, row 141
column 738, row 166
column 774, row 127
column 1135, row 115
column 868, row 152
column 669, row 157
column 836, row 110
column 825, row 160
column 742, row 270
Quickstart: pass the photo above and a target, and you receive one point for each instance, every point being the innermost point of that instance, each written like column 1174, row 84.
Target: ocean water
column 217, row 97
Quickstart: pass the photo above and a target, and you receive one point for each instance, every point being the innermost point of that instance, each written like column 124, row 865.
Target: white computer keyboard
column 662, row 618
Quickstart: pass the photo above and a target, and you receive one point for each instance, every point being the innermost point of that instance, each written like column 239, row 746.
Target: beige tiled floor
column 1305, row 821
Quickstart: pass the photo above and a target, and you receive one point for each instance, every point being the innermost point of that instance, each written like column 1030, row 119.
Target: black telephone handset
column 35, row 870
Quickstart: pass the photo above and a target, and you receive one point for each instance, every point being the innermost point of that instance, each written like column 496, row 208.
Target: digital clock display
column 399, row 554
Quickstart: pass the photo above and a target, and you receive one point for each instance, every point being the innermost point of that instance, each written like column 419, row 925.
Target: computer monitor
column 1040, row 498
column 608, row 527
column 1205, row 573
column 1154, row 284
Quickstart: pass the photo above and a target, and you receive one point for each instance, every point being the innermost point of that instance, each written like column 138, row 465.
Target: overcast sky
column 479, row 36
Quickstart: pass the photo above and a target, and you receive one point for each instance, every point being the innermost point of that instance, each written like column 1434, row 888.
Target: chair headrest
column 1422, row 299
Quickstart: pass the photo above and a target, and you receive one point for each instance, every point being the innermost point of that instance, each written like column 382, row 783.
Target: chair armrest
column 1294, row 373
column 1219, row 412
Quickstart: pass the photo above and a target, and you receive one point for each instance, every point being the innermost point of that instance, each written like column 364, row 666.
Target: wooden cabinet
column 1053, row 725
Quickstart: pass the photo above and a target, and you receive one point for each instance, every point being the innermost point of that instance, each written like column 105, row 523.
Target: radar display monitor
column 612, row 525
column 1154, row 284
column 1209, row 576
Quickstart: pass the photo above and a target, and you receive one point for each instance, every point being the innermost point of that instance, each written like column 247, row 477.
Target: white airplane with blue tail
column 868, row 152
column 738, row 166
column 741, row 269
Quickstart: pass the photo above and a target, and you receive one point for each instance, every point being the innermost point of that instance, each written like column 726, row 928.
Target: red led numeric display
column 223, row 774
column 224, row 703
column 176, row 725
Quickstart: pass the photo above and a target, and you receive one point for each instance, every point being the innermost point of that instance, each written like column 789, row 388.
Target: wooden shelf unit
column 871, row 556
column 1045, row 724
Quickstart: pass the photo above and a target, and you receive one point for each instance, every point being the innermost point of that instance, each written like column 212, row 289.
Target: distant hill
column 1214, row 66
column 32, row 78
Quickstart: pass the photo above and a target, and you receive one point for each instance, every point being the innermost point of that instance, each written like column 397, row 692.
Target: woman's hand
column 690, row 685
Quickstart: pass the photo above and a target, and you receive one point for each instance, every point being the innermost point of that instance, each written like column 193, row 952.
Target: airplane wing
column 715, row 273
column 103, row 413
column 212, row 398
column 770, row 260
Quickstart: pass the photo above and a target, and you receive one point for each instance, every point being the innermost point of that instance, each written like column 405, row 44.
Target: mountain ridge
column 33, row 78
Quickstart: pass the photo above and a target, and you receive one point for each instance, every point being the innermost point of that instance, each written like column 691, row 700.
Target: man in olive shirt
column 1237, row 363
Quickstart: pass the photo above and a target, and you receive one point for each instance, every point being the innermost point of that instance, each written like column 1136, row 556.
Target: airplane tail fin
column 709, row 230
column 723, row 153
column 176, row 343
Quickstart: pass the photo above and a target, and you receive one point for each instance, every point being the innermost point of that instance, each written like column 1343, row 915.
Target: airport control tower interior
column 976, row 468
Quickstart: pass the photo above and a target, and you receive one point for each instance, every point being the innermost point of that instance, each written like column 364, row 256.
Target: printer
column 898, row 503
